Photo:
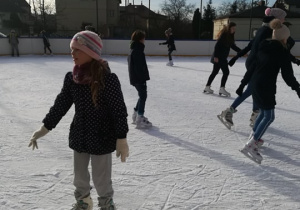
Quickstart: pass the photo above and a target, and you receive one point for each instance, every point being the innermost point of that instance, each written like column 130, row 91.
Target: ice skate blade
column 224, row 95
column 246, row 153
column 143, row 127
column 204, row 91
column 227, row 124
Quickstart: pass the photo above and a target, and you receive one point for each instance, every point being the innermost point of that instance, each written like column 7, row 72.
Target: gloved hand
column 232, row 61
column 122, row 149
column 240, row 90
column 36, row 135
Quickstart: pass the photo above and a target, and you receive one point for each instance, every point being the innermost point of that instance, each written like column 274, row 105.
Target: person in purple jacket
column 99, row 126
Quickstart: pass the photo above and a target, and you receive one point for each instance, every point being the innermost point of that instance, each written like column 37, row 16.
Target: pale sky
column 155, row 4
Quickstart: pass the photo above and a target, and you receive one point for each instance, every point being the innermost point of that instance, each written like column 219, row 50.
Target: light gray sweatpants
column 101, row 175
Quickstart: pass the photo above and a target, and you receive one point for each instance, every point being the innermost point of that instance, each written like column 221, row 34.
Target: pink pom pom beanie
column 89, row 42
column 276, row 12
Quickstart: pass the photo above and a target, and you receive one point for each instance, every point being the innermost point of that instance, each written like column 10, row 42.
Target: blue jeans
column 142, row 91
column 263, row 121
column 243, row 97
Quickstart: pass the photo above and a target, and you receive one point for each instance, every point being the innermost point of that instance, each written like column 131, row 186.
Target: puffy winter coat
column 170, row 43
column 94, row 130
column 45, row 40
column 222, row 49
column 137, row 66
column 263, row 33
column 271, row 57
column 13, row 38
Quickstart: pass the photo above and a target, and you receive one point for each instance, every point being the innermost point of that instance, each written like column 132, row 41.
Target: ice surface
column 188, row 160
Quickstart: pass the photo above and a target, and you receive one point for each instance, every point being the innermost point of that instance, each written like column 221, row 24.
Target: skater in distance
column 272, row 56
column 99, row 126
column 46, row 43
column 13, row 40
column 224, row 42
column 138, row 77
column 171, row 45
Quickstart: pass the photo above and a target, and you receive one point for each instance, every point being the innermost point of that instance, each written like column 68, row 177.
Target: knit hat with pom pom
column 89, row 42
column 168, row 31
column 280, row 31
column 276, row 12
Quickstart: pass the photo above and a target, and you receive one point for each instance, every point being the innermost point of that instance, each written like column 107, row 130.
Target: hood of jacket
column 137, row 46
column 271, row 46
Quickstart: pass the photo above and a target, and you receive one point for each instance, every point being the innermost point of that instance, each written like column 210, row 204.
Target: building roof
column 140, row 10
column 293, row 2
column 17, row 6
column 258, row 12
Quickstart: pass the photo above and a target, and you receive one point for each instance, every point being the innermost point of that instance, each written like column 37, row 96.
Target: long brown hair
column 229, row 39
column 98, row 71
column 138, row 35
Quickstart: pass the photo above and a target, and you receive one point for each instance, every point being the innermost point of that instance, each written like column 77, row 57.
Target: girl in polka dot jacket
column 99, row 126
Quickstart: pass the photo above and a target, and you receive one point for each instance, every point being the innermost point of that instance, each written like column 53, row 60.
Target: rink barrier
column 34, row 46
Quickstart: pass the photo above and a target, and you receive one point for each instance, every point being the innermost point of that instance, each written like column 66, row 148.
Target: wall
column 121, row 47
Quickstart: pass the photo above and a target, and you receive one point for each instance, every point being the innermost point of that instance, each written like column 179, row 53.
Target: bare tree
column 235, row 6
column 178, row 10
column 180, row 17
column 42, row 10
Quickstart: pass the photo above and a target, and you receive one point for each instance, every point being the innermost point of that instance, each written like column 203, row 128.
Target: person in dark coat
column 13, row 40
column 219, row 58
column 272, row 56
column 138, row 76
column 46, row 42
column 265, row 32
column 170, row 42
column 99, row 126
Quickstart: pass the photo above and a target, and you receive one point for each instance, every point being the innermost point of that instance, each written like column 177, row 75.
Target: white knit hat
column 89, row 42
column 276, row 12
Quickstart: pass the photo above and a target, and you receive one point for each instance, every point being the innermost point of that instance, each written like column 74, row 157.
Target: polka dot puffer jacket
column 94, row 130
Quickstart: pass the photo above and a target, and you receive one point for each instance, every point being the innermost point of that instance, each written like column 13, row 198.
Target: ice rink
column 188, row 160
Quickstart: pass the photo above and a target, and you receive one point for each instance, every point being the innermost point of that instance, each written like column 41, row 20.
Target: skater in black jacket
column 219, row 58
column 263, row 33
column 99, row 126
column 171, row 45
column 46, row 42
column 138, row 76
column 272, row 56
